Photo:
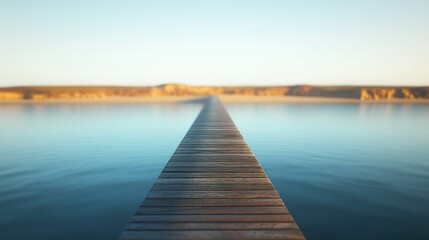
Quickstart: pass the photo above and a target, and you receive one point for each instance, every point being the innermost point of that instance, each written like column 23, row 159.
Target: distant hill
column 96, row 92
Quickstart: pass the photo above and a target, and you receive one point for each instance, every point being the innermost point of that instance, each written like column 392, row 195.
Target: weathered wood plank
column 211, row 210
column 212, row 180
column 204, row 235
column 211, row 226
column 231, row 145
column 243, row 194
column 212, row 164
column 212, row 175
column 213, row 141
column 228, row 218
column 212, row 158
column 243, row 162
column 211, row 187
column 189, row 202
column 200, row 147
column 208, row 151
column 213, row 169
column 205, row 154
column 214, row 137
column 214, row 145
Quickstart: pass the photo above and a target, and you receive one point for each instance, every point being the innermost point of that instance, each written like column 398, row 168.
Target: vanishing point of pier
column 212, row 188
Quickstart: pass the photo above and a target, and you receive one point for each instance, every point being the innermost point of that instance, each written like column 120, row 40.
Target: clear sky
column 242, row 42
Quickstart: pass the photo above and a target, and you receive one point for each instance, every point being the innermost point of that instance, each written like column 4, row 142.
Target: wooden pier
column 212, row 188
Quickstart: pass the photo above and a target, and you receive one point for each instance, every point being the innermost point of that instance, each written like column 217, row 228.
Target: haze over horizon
column 146, row 43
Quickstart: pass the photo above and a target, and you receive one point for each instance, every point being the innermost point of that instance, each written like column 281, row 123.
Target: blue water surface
column 345, row 171
column 79, row 171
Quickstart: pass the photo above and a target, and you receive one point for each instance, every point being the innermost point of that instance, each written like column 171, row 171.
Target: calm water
column 79, row 171
column 346, row 171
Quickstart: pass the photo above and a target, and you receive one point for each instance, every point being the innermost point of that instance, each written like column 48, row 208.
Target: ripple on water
column 79, row 171
column 345, row 171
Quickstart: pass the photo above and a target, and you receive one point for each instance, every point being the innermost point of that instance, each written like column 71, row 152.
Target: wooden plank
column 204, row 235
column 243, row 162
column 213, row 169
column 212, row 180
column 215, row 137
column 205, row 154
column 213, row 141
column 211, row 210
column 202, row 146
column 214, row 133
column 211, row 187
column 211, row 226
column 209, row 151
column 228, row 218
column 213, row 157
column 187, row 202
column 211, row 164
column 229, row 136
column 244, row 194
column 212, row 175
column 238, row 144
column 231, row 147
column 216, row 155
column 213, row 147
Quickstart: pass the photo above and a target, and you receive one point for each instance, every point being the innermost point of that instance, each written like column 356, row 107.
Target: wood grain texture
column 212, row 175
column 243, row 194
column 225, row 202
column 220, row 180
column 214, row 170
column 214, row 234
column 211, row 226
column 213, row 187
column 213, row 164
column 201, row 218
column 211, row 210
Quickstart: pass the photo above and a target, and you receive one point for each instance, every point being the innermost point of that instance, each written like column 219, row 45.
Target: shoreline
column 227, row 99
column 234, row 99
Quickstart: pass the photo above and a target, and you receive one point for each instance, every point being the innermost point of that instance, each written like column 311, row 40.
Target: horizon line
column 214, row 86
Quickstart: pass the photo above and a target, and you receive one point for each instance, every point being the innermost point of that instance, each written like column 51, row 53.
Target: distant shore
column 170, row 92
column 293, row 99
column 227, row 99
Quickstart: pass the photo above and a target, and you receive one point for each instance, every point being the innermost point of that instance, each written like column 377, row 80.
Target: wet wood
column 212, row 188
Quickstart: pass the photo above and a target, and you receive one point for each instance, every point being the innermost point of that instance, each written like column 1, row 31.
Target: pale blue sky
column 135, row 42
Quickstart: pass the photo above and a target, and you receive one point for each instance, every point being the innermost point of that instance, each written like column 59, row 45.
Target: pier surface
column 212, row 188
